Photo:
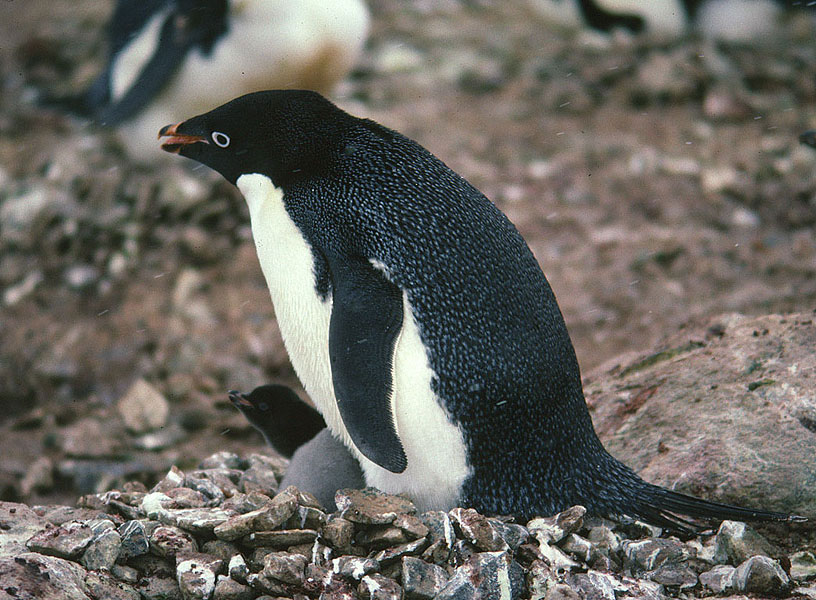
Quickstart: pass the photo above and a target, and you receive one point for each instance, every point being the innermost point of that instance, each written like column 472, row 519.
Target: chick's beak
column 239, row 400
column 175, row 140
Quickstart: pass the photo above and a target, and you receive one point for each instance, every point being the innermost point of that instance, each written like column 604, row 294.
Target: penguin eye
column 221, row 140
column 263, row 405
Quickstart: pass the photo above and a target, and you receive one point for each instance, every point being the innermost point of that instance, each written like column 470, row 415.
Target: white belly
column 434, row 447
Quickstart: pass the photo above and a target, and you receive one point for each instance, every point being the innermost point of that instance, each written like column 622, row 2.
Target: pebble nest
column 225, row 532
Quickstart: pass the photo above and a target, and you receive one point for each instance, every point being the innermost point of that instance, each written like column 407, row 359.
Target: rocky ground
column 221, row 532
column 659, row 184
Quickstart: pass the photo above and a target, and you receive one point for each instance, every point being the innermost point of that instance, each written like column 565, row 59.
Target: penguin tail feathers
column 669, row 510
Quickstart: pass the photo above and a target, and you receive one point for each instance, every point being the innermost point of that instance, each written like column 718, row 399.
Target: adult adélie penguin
column 417, row 318
column 190, row 55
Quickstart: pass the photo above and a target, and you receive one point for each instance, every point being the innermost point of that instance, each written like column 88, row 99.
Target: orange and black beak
column 176, row 141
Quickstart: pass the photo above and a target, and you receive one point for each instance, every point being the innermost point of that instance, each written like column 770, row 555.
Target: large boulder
column 725, row 411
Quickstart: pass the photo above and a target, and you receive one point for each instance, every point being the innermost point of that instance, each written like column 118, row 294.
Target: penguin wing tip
column 797, row 519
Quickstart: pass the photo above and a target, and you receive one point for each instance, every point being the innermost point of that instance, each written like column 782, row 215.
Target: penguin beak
column 176, row 141
column 238, row 400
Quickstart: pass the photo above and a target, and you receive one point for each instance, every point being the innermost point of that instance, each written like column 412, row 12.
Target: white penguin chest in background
column 434, row 448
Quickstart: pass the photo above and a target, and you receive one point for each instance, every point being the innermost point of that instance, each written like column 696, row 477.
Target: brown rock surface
column 726, row 411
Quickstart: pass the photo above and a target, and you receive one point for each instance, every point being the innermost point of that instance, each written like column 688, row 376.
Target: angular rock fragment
column 485, row 575
column 66, row 541
column 762, row 575
column 736, row 542
column 553, row 529
column 719, row 580
column 421, row 580
column 370, row 506
column 379, row 587
column 196, row 574
column 103, row 551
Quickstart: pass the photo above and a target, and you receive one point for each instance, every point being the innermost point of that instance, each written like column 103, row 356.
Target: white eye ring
column 221, row 140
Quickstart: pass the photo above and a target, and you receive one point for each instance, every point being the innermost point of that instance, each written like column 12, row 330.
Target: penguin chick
column 190, row 55
column 277, row 412
column 322, row 466
column 418, row 319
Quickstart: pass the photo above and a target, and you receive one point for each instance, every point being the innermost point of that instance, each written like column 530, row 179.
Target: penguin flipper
column 365, row 321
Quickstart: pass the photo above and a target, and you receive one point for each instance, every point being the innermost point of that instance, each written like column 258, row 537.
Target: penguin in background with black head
column 190, row 55
column 417, row 318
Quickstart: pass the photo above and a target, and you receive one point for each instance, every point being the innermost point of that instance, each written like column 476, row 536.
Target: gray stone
column 370, row 506
column 18, row 523
column 541, row 581
column 196, row 574
column 173, row 479
column 143, row 407
column 378, row 537
column 271, row 516
column 244, row 503
column 513, row 534
column 478, row 530
column 422, row 580
column 803, row 566
column 280, row 539
column 209, row 488
column 125, row 573
column 379, row 587
column 338, row 533
column 552, row 530
column 285, row 567
column 556, row 558
column 389, row 555
column 227, row 588
column 237, row 568
column 559, row 591
column 66, row 541
column 649, row 554
column 440, row 527
column 674, row 575
column 159, row 588
column 33, row 575
column 308, row 517
column 263, row 462
column 596, row 586
column 103, row 550
column 167, row 541
column 259, row 479
column 183, row 497
column 354, row 567
column 720, row 579
column 762, row 575
column 737, row 542
column 102, row 585
column 134, row 539
column 223, row 460
column 412, row 525
column 485, row 575
column 603, row 538
column 581, row 548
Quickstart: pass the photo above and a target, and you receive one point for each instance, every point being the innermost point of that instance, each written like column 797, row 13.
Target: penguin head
column 282, row 134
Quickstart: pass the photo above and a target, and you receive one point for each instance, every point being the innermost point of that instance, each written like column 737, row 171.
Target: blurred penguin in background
column 732, row 20
column 172, row 57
